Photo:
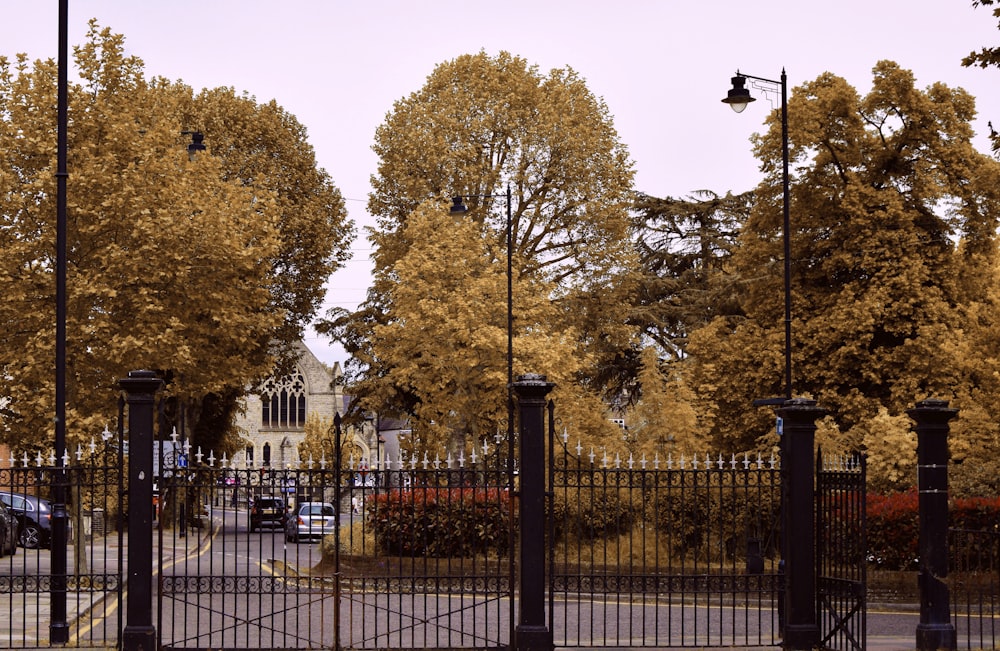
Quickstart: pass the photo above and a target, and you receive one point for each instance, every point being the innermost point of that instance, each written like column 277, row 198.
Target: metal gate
column 679, row 551
column 414, row 557
column 229, row 574
column 429, row 564
column 841, row 552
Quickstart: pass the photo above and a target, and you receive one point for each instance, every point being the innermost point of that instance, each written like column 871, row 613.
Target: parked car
column 311, row 520
column 267, row 511
column 34, row 518
column 8, row 531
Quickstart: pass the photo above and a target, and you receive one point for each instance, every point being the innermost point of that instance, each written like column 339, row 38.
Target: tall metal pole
column 58, row 626
column 510, row 329
column 787, row 236
column 512, row 570
column 738, row 98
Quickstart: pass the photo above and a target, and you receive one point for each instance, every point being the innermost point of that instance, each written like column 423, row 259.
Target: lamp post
column 459, row 208
column 197, row 144
column 59, row 626
column 738, row 98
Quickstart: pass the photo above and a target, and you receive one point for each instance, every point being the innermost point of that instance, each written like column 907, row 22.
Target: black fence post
column 798, row 415
column 532, row 632
column 935, row 630
column 140, row 388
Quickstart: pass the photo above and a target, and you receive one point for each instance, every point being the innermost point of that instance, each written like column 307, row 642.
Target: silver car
column 310, row 520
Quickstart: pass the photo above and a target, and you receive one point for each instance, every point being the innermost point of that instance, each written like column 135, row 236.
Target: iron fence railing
column 663, row 552
column 974, row 580
column 94, row 577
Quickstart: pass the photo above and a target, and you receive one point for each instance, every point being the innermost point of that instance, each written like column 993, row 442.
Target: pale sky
column 660, row 66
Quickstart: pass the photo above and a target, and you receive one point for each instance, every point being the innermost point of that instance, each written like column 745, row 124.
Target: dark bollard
column 532, row 632
column 140, row 388
column 799, row 415
column 935, row 630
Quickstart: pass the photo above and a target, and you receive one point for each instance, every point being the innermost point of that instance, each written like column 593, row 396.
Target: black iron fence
column 94, row 578
column 974, row 576
column 240, row 563
column 664, row 552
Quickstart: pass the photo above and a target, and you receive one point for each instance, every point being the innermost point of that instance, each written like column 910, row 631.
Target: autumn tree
column 665, row 422
column 443, row 340
column 173, row 265
column 893, row 247
column 482, row 124
column 684, row 248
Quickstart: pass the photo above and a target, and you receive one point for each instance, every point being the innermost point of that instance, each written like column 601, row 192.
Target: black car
column 34, row 518
column 267, row 512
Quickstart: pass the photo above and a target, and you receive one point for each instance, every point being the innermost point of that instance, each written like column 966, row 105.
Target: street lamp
column 197, row 144
column 738, row 98
column 459, row 208
column 59, row 625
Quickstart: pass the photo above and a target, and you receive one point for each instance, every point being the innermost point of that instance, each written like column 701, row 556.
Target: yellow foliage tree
column 173, row 265
column 665, row 421
column 443, row 339
column 479, row 125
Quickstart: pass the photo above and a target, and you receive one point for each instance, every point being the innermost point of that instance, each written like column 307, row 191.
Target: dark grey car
column 8, row 531
column 267, row 511
column 34, row 518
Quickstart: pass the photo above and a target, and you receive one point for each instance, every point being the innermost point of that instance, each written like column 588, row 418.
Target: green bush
column 441, row 522
column 708, row 525
column 593, row 514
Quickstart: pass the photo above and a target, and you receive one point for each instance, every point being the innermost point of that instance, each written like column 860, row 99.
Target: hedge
column 441, row 522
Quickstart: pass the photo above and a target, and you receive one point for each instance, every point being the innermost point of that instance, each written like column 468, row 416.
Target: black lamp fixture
column 458, row 208
column 197, row 144
column 738, row 98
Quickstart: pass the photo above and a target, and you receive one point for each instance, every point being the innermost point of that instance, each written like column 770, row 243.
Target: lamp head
column 738, row 96
column 197, row 144
column 457, row 207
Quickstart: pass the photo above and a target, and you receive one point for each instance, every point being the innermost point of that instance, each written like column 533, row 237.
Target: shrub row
column 441, row 522
column 700, row 523
column 894, row 525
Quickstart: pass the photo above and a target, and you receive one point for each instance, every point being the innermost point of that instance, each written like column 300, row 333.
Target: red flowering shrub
column 894, row 525
column 441, row 522
column 893, row 530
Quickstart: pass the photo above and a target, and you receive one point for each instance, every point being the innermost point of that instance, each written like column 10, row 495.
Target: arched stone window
column 283, row 402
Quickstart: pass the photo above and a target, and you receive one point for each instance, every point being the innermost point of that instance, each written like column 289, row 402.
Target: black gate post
column 141, row 388
column 798, row 417
column 935, row 630
column 532, row 632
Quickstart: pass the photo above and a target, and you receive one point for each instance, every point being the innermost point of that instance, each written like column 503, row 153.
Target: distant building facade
column 273, row 421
